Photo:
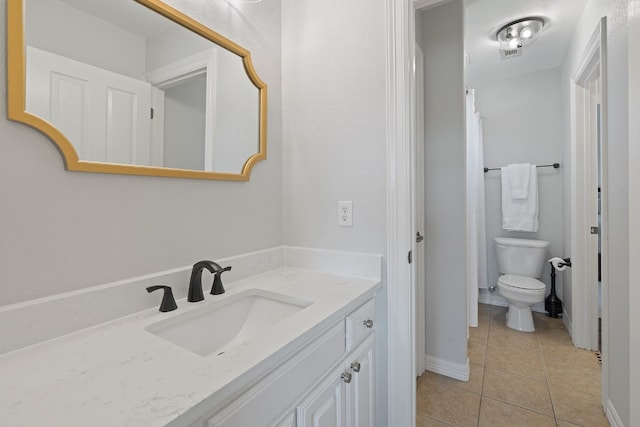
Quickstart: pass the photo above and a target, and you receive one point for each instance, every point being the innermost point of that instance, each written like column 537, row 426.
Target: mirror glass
column 142, row 87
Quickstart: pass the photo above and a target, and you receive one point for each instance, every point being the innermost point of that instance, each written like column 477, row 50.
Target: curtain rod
column 555, row 166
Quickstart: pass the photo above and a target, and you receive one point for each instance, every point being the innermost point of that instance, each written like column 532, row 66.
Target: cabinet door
column 326, row 405
column 361, row 389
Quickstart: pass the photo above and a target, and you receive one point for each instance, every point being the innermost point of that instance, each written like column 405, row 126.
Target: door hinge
column 595, row 230
column 410, row 257
column 419, row 237
column 151, row 114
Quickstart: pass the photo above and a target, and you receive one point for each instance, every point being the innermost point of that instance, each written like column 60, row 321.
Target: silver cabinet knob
column 346, row 377
column 368, row 323
column 355, row 366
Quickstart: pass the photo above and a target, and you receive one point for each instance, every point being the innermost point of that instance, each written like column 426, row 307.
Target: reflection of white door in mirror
column 106, row 114
column 87, row 77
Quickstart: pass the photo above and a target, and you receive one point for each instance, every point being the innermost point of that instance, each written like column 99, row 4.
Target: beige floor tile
column 562, row 423
column 554, row 336
column 476, row 351
column 577, row 407
column 479, row 334
column 515, row 341
column 448, row 404
column 494, row 413
column 517, row 390
column 584, row 380
column 571, row 356
column 514, row 372
column 527, row 364
column 426, row 421
column 474, row 385
column 545, row 323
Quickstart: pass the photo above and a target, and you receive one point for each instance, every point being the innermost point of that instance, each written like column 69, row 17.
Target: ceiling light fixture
column 519, row 33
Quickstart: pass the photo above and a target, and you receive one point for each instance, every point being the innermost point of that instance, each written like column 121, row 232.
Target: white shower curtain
column 476, row 226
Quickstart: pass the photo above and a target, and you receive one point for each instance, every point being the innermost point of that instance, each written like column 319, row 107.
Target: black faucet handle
column 168, row 301
column 217, row 287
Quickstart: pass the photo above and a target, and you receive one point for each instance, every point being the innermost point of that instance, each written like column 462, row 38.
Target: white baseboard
column 567, row 323
column 446, row 368
column 612, row 415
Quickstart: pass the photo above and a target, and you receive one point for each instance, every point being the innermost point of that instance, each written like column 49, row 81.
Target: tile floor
column 517, row 379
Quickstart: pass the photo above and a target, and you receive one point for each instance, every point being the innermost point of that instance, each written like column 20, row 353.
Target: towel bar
column 555, row 166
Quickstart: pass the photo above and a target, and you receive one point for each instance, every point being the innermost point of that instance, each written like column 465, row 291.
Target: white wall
column 62, row 231
column 334, row 134
column 522, row 122
column 618, row 284
column 58, row 28
column 445, row 195
column 174, row 44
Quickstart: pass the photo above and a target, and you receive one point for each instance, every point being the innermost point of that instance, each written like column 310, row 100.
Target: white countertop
column 118, row 374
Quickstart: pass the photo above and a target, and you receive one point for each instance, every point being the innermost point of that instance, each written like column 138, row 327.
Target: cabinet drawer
column 360, row 323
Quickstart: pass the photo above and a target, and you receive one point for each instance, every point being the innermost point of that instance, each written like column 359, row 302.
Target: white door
column 104, row 114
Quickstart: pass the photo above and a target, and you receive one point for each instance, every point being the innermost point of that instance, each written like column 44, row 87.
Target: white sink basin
column 215, row 327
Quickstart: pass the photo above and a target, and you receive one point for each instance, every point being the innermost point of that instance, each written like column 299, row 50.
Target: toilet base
column 520, row 319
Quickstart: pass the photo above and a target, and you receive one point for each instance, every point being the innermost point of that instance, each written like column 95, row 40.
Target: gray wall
column 522, row 122
column 445, row 168
column 618, row 185
column 83, row 37
column 184, row 123
column 63, row 231
column 334, row 134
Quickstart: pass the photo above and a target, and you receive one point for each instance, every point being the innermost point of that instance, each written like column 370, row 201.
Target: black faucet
column 217, row 287
column 195, row 283
column 168, row 302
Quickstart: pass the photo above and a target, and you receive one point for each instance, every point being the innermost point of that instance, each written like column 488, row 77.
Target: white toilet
column 520, row 262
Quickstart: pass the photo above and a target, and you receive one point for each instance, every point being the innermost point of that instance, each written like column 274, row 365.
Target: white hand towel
column 519, row 177
column 520, row 214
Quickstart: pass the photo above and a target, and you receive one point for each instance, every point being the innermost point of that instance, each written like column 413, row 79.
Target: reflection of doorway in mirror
column 228, row 104
column 185, row 112
column 106, row 114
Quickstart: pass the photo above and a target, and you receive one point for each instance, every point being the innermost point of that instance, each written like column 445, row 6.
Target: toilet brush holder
column 553, row 304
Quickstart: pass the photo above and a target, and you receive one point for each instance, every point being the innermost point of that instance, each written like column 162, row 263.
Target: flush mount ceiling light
column 519, row 33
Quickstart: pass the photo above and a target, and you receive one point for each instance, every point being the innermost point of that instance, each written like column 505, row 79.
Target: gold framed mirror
column 135, row 88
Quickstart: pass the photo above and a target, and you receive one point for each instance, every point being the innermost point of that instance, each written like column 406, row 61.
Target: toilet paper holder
column 553, row 304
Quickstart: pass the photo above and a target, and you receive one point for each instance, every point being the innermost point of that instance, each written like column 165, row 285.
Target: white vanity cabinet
column 329, row 382
column 345, row 397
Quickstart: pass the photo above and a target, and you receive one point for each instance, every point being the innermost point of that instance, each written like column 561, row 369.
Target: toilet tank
column 524, row 257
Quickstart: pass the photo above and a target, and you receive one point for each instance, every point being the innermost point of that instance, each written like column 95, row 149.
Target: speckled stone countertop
column 118, row 374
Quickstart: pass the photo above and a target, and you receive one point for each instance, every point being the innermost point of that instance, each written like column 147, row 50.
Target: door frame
column 401, row 379
column 584, row 303
column 419, row 208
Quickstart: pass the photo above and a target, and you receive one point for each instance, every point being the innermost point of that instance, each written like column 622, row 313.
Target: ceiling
column 126, row 14
column 483, row 18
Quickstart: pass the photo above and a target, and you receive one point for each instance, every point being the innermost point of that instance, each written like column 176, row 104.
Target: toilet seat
column 521, row 282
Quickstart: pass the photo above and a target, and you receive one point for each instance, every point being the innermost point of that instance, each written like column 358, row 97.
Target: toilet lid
column 522, row 282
